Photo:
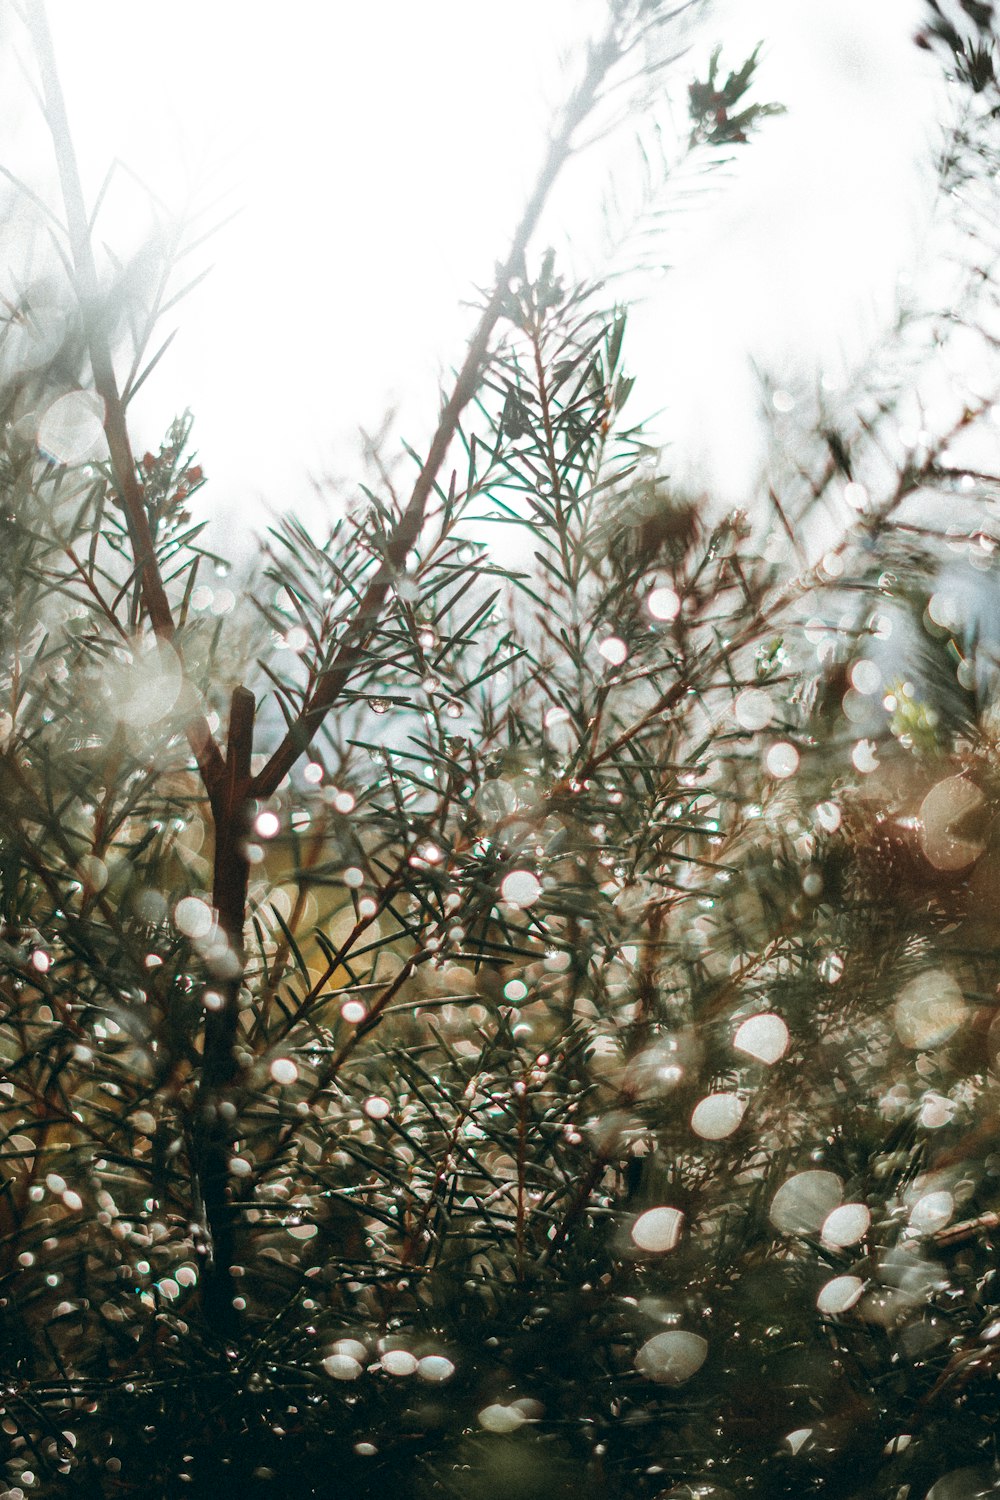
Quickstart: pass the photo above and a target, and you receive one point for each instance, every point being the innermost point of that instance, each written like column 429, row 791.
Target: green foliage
column 968, row 39
column 551, row 1048
column 711, row 104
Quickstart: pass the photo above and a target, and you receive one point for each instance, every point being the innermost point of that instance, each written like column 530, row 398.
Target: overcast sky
column 378, row 155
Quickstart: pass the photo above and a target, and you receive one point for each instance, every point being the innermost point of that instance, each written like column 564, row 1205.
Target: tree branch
column 602, row 57
column 203, row 745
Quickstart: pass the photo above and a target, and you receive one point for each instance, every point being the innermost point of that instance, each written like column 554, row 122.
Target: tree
column 542, row 1042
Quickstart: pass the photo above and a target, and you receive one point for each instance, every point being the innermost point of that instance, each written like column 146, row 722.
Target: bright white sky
column 379, row 155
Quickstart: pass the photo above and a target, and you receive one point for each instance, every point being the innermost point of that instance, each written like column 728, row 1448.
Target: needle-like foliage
column 479, row 1030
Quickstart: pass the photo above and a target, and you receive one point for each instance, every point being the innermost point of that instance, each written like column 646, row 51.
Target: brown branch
column 229, row 808
column 206, row 751
column 213, row 1132
column 226, row 782
column 332, row 682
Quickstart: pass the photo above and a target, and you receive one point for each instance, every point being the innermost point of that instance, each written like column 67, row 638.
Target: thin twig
column 206, row 751
column 351, row 651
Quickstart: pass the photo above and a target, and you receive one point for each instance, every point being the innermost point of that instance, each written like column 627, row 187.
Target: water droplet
column 354, row 1347
column 398, row 1362
column 864, row 758
column 520, row 888
column 802, row 1203
column 782, row 760
column 717, row 1116
column 831, row 968
column 950, row 818
column 866, row 678
column 673, row 1357
column 436, row 1368
column 614, row 650
column 839, row 1295
column 929, row 1010
column 284, row 1071
column 764, row 1037
column 663, row 604
column 495, row 800
column 828, row 816
column 302, row 1231
column 754, row 709
column 193, row 917
column 497, row 1418
column 658, row 1229
column 936, row 1110
column 932, row 1212
column 845, row 1225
